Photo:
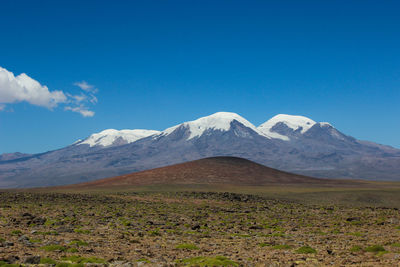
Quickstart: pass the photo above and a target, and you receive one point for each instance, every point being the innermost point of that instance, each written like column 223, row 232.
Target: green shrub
column 47, row 261
column 46, row 233
column 375, row 248
column 355, row 248
column 154, row 233
column 79, row 259
column 186, row 246
column 355, row 234
column 80, row 231
column 16, row 232
column 5, row 264
column 49, row 222
column 281, row 247
column 208, row 261
column 65, row 264
column 53, row 248
column 78, row 243
column 306, row 250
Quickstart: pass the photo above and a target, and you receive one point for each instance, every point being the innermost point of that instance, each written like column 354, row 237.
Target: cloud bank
column 22, row 88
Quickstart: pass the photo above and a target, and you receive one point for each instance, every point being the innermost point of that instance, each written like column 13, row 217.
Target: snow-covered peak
column 291, row 121
column 218, row 121
column 325, row 124
column 108, row 137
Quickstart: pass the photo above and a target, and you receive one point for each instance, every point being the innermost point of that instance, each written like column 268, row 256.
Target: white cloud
column 77, row 98
column 86, row 87
column 93, row 99
column 21, row 88
column 82, row 110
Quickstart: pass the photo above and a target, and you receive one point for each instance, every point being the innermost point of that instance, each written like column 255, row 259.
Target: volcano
column 209, row 171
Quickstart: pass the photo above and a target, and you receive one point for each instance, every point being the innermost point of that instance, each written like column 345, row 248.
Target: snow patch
column 325, row 124
column 108, row 137
column 291, row 121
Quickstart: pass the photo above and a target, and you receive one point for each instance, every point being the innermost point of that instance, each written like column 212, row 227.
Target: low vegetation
column 192, row 229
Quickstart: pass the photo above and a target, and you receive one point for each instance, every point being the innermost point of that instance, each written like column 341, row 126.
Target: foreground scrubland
column 193, row 229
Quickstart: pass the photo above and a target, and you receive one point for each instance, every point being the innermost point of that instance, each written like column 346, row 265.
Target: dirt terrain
column 215, row 170
column 193, row 229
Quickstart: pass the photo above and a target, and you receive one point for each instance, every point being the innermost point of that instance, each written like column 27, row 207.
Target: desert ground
column 196, row 225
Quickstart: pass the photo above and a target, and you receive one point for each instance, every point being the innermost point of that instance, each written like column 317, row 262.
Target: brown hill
column 215, row 170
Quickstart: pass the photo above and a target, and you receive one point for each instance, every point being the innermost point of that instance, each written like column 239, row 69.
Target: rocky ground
column 192, row 229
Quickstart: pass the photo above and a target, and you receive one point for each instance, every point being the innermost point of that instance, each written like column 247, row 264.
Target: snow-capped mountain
column 290, row 143
column 220, row 121
column 281, row 125
column 112, row 137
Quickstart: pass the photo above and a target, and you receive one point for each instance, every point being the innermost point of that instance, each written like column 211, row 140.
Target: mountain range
column 290, row 143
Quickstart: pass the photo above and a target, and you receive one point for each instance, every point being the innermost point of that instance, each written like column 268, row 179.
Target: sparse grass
column 306, row 250
column 396, row 245
column 249, row 228
column 143, row 260
column 208, row 261
column 358, row 234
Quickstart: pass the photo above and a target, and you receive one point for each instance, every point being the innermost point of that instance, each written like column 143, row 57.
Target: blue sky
column 154, row 64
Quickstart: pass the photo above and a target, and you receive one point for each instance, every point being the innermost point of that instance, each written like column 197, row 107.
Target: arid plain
column 214, row 224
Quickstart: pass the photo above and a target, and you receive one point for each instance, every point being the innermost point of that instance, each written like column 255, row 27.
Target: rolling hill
column 211, row 171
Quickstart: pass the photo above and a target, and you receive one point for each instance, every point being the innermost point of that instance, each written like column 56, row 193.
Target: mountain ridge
column 320, row 150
